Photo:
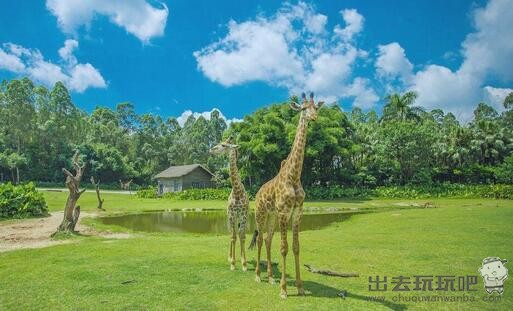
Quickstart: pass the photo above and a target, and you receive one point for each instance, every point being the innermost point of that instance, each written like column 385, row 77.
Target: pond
column 207, row 221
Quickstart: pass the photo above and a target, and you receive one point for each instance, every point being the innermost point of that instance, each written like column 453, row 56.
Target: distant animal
column 125, row 185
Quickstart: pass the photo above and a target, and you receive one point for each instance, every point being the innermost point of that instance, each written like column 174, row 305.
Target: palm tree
column 400, row 107
column 490, row 143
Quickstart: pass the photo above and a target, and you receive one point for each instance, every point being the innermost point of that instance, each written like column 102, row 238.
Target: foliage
column 199, row 194
column 504, row 172
column 41, row 128
column 21, row 201
column 188, row 194
column 334, row 192
column 147, row 193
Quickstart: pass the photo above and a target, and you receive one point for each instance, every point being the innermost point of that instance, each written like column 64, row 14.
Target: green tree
column 400, row 107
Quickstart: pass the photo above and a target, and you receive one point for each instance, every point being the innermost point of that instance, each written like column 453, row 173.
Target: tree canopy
column 40, row 129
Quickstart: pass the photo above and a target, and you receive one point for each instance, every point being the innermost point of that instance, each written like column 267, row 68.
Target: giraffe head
column 308, row 108
column 224, row 146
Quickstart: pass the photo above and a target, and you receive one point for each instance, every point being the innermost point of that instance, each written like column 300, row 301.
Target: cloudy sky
column 178, row 57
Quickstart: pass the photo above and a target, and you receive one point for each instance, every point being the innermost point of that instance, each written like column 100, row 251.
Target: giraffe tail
column 253, row 240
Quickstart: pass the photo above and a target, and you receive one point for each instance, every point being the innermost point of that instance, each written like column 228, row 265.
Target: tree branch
column 330, row 272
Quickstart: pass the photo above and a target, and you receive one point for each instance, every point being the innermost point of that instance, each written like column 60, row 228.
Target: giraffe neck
column 294, row 164
column 234, row 172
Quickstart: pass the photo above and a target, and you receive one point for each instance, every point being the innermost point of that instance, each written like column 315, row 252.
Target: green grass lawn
column 190, row 271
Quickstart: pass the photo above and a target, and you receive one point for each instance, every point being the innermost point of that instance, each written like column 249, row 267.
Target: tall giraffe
column 238, row 203
column 282, row 198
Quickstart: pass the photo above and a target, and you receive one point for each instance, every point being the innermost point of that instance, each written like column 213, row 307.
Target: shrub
column 21, row 201
column 335, row 192
column 200, row 194
column 446, row 190
column 147, row 193
column 504, row 172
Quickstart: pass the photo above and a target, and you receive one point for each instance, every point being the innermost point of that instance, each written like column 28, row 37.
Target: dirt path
column 35, row 233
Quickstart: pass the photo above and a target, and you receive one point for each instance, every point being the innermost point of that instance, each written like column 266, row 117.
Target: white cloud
column 489, row 49
column 77, row 77
column 365, row 97
column 486, row 52
column 137, row 17
column 439, row 87
column 354, row 24
column 11, row 62
column 392, row 62
column 495, row 96
column 66, row 52
column 291, row 49
column 205, row 114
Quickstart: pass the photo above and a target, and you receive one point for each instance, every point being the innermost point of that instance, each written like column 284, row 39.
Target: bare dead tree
column 126, row 185
column 72, row 212
column 97, row 188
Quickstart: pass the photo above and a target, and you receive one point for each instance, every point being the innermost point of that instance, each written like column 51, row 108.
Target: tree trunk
column 72, row 212
column 97, row 188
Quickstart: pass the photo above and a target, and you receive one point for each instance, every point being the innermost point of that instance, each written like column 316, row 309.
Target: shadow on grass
column 324, row 291
column 263, row 268
column 316, row 289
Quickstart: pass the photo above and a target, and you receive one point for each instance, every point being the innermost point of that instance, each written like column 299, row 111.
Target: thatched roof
column 180, row 170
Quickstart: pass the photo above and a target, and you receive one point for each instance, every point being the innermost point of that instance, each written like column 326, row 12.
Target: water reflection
column 206, row 221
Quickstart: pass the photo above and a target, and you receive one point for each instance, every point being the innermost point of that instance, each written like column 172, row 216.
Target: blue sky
column 172, row 56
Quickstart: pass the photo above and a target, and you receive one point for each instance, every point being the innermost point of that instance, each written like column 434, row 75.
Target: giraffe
column 281, row 199
column 238, row 203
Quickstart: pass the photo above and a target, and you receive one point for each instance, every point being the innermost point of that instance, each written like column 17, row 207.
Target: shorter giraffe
column 238, row 203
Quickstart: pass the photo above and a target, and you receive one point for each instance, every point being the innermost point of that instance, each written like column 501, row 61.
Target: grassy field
column 190, row 271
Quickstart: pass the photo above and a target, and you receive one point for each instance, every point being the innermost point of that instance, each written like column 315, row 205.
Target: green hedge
column 189, row 194
column 199, row 194
column 147, row 193
column 21, row 201
column 447, row 190
column 338, row 192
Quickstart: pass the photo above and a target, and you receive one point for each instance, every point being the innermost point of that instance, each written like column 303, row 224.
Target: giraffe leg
column 233, row 238
column 242, row 238
column 232, row 248
column 230, row 229
column 295, row 249
column 260, row 241
column 271, row 222
column 260, row 218
column 284, row 248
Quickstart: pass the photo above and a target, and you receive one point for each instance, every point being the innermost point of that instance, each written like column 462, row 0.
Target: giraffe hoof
column 301, row 292
column 257, row 279
column 232, row 267
column 283, row 295
column 244, row 268
column 271, row 281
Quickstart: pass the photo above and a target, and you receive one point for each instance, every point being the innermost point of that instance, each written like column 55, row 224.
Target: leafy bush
column 446, row 190
column 147, row 193
column 334, row 192
column 21, row 201
column 200, row 194
column 337, row 192
column 504, row 172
